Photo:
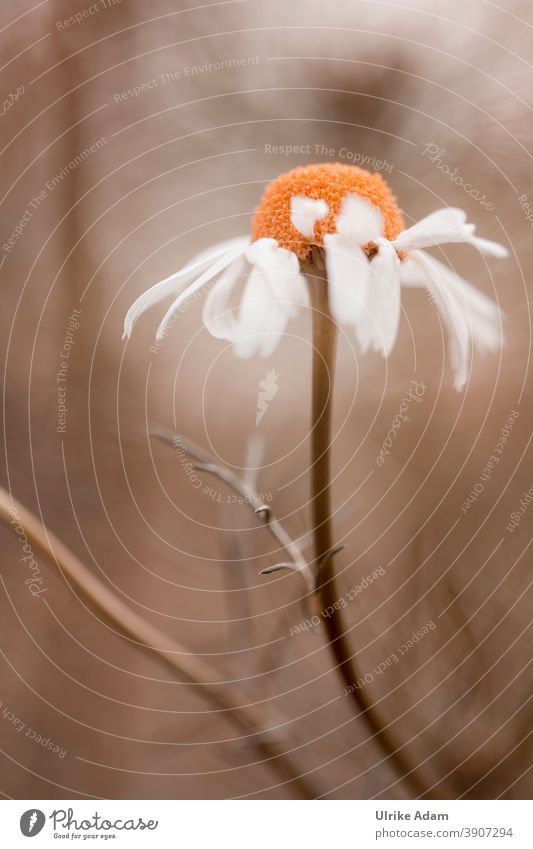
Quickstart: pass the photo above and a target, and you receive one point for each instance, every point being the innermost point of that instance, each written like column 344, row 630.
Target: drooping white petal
column 484, row 318
column 282, row 270
column 377, row 325
column 260, row 252
column 348, row 272
column 218, row 316
column 462, row 328
column 411, row 276
column 486, row 246
column 305, row 212
column 204, row 278
column 267, row 255
column 168, row 286
column 262, row 319
column 443, row 227
column 359, row 220
column 175, row 282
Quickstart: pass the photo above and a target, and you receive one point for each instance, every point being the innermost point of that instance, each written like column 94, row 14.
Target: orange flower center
column 330, row 182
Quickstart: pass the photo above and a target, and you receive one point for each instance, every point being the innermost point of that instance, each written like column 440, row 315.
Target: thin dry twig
column 250, row 497
column 260, row 726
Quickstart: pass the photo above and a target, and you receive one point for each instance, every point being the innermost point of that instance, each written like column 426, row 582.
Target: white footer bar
column 267, row 824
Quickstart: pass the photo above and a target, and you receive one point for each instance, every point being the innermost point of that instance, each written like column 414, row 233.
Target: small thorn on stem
column 327, row 557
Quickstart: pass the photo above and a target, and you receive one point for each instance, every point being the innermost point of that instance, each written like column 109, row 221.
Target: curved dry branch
column 256, row 722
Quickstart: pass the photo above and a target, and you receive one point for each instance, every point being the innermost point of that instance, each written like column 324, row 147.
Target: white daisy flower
column 351, row 219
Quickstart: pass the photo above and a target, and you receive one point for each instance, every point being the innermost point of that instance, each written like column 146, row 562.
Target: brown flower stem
column 323, row 369
column 261, row 728
column 324, row 349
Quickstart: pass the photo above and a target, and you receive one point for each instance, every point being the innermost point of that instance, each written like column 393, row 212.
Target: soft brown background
column 183, row 166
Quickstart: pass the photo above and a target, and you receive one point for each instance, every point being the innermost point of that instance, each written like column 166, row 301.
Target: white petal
column 490, row 248
column 305, row 212
column 440, row 227
column 484, row 317
column 290, row 289
column 262, row 318
column 218, row 316
column 411, row 276
column 378, row 323
column 267, row 255
column 359, row 220
column 453, row 298
column 443, row 227
column 348, row 272
column 260, row 252
column 168, row 286
column 204, row 278
column 173, row 284
column 282, row 270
